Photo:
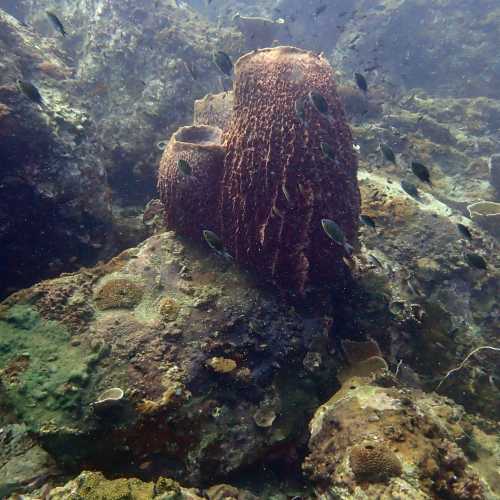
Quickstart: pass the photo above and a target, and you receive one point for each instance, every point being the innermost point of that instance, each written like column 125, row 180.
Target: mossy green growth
column 94, row 486
column 119, row 293
column 42, row 373
column 168, row 489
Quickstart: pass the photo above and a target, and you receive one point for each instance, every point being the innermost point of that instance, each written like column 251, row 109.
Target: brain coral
column 277, row 182
column 374, row 462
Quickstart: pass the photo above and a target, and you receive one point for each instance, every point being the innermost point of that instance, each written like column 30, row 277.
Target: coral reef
column 196, row 348
column 376, row 439
column 94, row 486
column 189, row 198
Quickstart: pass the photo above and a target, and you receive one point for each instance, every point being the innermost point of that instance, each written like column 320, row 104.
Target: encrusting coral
column 118, row 294
column 288, row 164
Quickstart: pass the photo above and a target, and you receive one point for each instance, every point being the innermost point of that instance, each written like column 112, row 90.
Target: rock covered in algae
column 494, row 170
column 258, row 31
column 51, row 198
column 24, row 465
column 373, row 439
column 193, row 308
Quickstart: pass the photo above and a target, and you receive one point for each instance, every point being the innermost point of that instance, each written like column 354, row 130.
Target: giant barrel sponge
column 289, row 163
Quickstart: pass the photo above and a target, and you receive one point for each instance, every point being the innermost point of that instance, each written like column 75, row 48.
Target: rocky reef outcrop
column 376, row 438
column 207, row 362
column 278, row 180
column 49, row 171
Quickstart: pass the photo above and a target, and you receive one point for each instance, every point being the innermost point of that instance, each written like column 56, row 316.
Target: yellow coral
column 221, row 365
column 119, row 294
column 169, row 309
column 374, row 462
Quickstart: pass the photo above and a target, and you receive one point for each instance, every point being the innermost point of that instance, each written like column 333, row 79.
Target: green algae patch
column 118, row 293
column 42, row 374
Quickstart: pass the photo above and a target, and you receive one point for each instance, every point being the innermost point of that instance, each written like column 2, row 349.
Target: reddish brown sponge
column 190, row 200
column 267, row 196
column 277, row 183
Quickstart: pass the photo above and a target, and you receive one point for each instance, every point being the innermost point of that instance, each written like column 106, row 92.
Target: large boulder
column 209, row 366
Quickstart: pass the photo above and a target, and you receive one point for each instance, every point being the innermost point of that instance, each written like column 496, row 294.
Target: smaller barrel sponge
column 189, row 194
column 374, row 462
column 214, row 109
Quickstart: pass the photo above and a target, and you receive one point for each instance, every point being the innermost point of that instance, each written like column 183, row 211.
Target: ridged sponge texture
column 189, row 194
column 278, row 182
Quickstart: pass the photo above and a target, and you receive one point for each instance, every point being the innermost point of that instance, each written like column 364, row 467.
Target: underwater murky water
column 249, row 249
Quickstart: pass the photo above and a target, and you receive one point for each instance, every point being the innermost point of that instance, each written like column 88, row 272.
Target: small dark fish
column 335, row 233
column 410, row 188
column 184, row 167
column 215, row 243
column 361, row 82
column 286, row 194
column 421, row 171
column 318, row 102
column 374, row 259
column 56, row 22
column 388, row 153
column 327, row 151
column 191, row 70
column 300, row 111
column 367, row 221
column 475, row 260
column 320, row 10
column 223, row 62
column 30, row 91
column 464, row 231
column 277, row 212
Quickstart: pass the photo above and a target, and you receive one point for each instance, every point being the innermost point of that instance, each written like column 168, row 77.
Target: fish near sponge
column 278, row 184
column 189, row 177
column 275, row 183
